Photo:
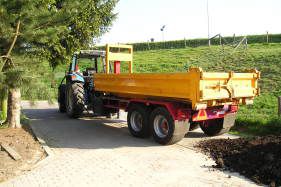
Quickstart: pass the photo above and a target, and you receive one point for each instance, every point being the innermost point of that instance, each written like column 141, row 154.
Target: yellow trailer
column 169, row 104
column 164, row 105
column 197, row 87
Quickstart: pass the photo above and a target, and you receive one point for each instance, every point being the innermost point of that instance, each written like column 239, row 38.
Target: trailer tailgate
column 221, row 86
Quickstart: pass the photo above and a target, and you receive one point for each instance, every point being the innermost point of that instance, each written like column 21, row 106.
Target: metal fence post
column 279, row 106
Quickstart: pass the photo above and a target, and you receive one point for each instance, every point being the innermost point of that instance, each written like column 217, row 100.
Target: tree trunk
column 13, row 118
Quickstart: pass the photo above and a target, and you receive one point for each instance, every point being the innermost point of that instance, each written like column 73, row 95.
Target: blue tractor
column 75, row 92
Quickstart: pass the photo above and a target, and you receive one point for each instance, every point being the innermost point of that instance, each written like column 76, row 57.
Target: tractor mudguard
column 75, row 77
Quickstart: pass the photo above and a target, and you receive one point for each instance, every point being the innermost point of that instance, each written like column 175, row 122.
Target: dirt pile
column 258, row 158
column 23, row 142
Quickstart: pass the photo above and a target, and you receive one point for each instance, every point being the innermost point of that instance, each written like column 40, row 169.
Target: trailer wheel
column 61, row 98
column 164, row 129
column 75, row 100
column 138, row 121
column 194, row 126
column 213, row 127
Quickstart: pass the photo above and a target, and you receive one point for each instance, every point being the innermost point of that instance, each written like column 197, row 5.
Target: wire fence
column 176, row 44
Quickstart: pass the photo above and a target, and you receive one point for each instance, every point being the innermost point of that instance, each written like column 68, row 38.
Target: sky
column 141, row 20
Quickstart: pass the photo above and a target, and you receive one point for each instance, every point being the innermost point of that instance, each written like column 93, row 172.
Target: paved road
column 100, row 152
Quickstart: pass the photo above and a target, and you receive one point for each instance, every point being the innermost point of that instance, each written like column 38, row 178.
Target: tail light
column 200, row 116
column 73, row 77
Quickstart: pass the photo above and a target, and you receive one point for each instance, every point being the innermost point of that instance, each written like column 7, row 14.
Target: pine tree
column 44, row 29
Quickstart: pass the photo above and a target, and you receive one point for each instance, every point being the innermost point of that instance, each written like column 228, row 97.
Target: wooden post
column 267, row 38
column 279, row 106
column 184, row 43
column 107, row 65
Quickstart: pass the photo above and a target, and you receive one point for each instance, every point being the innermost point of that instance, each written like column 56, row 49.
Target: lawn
column 258, row 119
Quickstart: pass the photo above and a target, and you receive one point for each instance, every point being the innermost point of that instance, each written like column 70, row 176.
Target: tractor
column 75, row 92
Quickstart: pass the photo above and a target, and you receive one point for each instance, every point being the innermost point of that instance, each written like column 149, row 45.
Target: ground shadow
column 59, row 131
column 88, row 132
column 195, row 134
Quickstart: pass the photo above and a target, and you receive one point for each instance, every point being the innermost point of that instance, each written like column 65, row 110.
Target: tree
column 45, row 29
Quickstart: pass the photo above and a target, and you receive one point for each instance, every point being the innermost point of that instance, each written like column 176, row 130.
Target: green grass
column 258, row 119
column 3, row 126
column 24, row 120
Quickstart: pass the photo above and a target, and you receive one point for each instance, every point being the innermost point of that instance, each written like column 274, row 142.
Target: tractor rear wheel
column 75, row 100
column 61, row 98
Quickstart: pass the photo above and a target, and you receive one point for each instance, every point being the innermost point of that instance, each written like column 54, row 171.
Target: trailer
column 167, row 105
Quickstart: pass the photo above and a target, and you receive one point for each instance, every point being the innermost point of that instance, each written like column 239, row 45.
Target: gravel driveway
column 101, row 152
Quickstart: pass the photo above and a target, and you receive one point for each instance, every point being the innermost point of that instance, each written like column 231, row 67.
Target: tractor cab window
column 84, row 63
column 89, row 65
column 86, row 66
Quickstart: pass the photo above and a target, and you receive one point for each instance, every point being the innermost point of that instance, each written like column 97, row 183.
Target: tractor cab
column 76, row 92
column 84, row 64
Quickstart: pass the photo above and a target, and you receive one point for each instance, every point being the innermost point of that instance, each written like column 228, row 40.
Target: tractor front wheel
column 61, row 98
column 75, row 100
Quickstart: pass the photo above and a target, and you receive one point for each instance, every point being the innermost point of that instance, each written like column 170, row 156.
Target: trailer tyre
column 194, row 126
column 61, row 98
column 164, row 130
column 75, row 101
column 213, row 127
column 137, row 119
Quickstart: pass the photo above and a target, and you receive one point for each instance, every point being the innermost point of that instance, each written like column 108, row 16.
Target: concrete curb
column 37, row 134
column 48, row 151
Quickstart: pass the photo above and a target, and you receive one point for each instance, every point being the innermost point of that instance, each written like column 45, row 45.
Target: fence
column 251, row 39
